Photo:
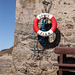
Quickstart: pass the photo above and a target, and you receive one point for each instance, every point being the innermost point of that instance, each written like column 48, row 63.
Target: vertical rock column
column 23, row 60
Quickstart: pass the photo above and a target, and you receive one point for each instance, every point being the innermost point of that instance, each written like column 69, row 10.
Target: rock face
column 6, row 65
column 23, row 54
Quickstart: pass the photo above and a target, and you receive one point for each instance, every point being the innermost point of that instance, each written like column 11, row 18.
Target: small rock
column 33, row 65
column 65, row 3
column 65, row 13
column 54, row 57
column 22, row 70
column 30, row 73
column 43, row 67
column 28, row 56
column 71, row 39
column 23, row 39
column 73, row 19
column 68, row 33
column 69, row 26
column 38, row 74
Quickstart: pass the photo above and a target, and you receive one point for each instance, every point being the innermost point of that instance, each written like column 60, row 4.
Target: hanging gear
column 47, row 33
column 45, row 2
column 44, row 41
column 43, row 33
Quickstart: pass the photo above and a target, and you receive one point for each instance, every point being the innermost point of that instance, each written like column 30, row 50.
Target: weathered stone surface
column 23, row 54
column 74, row 19
column 6, row 65
column 54, row 57
column 68, row 33
column 71, row 39
column 69, row 26
column 33, row 65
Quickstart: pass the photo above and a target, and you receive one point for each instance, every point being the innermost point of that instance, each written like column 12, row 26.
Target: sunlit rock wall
column 23, row 54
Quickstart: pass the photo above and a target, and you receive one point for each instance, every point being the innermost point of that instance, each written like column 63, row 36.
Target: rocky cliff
column 23, row 54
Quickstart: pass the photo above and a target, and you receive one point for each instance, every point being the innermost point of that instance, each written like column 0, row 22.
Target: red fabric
column 54, row 24
column 35, row 25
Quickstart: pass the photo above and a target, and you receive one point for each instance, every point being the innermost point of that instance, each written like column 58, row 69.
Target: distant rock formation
column 6, row 51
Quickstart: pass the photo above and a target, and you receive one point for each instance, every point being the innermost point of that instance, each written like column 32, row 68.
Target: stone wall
column 23, row 54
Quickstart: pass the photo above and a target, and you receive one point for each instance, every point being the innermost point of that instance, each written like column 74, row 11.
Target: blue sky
column 7, row 23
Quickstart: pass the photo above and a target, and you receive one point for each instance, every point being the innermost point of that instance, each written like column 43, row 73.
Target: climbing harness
column 47, row 33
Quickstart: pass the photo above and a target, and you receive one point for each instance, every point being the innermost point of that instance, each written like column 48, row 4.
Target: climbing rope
column 41, row 39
